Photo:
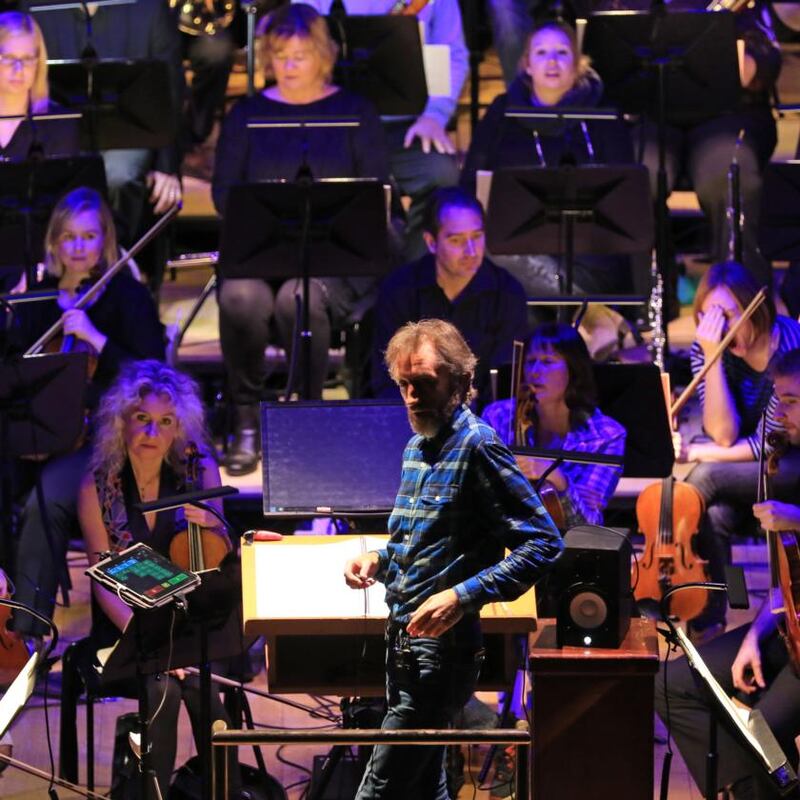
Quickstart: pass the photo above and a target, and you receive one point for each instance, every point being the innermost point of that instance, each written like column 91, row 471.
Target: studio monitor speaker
column 591, row 588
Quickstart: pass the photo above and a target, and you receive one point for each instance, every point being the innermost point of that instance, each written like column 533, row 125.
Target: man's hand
column 359, row 572
column 746, row 667
column 165, row 191
column 775, row 516
column 429, row 131
column 436, row 615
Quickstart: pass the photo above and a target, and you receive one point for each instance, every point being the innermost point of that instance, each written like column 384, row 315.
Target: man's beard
column 433, row 420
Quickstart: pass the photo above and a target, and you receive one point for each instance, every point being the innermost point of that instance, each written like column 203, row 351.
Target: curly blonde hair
column 17, row 23
column 137, row 380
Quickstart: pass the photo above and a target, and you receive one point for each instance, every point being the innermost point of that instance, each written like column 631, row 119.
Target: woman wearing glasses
column 24, row 91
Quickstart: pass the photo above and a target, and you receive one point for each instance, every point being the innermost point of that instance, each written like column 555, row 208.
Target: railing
column 222, row 738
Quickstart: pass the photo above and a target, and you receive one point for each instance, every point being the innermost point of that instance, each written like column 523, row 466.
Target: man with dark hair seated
column 454, row 282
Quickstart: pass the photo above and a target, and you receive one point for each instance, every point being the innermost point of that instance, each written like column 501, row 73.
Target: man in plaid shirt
column 462, row 500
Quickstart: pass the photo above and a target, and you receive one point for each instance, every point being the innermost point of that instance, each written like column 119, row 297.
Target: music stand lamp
column 380, row 58
column 672, row 66
column 569, row 210
column 29, row 190
column 305, row 228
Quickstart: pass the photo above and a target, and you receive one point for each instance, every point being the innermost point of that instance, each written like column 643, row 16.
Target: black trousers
column 689, row 707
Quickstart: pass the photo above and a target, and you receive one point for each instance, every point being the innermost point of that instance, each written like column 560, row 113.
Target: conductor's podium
column 325, row 638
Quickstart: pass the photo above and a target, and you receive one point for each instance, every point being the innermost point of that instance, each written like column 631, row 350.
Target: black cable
column 289, row 763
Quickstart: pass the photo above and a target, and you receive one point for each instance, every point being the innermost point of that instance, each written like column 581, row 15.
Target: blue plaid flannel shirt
column 589, row 486
column 462, row 500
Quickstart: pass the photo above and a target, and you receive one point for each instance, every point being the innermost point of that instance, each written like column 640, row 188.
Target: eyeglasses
column 24, row 62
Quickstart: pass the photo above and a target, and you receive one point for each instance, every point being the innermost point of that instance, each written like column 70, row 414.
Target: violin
column 408, row 8
column 783, row 549
column 196, row 549
column 13, row 653
column 668, row 513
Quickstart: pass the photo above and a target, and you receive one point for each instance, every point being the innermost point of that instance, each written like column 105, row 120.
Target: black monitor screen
column 333, row 456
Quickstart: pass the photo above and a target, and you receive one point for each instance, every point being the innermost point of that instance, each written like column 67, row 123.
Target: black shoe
column 243, row 451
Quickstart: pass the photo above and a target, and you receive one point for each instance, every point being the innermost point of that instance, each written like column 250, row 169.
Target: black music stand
column 29, row 190
column 41, row 413
column 380, row 58
column 125, row 103
column 779, row 222
column 306, row 228
column 567, row 210
column 676, row 67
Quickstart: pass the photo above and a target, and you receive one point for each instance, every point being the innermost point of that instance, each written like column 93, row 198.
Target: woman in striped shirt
column 736, row 392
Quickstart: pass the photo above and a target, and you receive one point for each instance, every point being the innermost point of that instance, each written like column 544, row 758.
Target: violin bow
column 721, row 347
column 88, row 297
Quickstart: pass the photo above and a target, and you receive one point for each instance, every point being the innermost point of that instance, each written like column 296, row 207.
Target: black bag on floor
column 255, row 784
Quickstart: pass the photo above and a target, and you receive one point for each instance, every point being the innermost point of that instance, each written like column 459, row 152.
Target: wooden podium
column 593, row 716
column 325, row 638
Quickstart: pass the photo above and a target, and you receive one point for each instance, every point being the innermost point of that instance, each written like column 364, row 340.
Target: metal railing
column 222, row 738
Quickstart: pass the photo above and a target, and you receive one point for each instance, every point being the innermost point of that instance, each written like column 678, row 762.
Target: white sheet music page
column 307, row 581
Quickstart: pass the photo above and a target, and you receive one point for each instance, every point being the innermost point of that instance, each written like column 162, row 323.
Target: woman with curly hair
column 144, row 423
column 557, row 410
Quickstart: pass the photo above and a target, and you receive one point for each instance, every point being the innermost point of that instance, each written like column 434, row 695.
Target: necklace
column 143, row 486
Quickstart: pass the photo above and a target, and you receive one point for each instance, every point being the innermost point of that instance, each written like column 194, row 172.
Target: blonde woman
column 121, row 325
column 24, row 90
column 299, row 55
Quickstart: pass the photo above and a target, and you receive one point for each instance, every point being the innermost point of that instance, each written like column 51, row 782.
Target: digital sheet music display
column 147, row 574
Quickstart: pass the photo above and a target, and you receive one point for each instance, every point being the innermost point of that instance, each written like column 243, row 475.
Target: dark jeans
column 246, row 309
column 40, row 557
column 428, row 682
column 704, row 151
column 729, row 490
column 689, row 710
column 417, row 174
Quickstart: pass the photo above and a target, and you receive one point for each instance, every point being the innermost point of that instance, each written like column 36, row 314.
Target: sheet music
column 302, row 581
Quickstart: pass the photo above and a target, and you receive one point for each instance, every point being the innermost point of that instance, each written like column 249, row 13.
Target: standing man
column 454, row 281
column 462, row 500
column 749, row 661
column 421, row 153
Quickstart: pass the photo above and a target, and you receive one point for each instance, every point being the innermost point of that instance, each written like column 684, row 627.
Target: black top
column 490, row 313
column 144, row 29
column 124, row 312
column 271, row 153
column 58, row 137
column 500, row 141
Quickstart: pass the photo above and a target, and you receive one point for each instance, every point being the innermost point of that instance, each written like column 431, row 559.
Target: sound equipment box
column 590, row 588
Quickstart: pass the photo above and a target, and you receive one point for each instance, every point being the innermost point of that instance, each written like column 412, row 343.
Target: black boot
column 243, row 451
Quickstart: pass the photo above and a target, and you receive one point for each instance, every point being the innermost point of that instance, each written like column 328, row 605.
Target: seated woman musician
column 557, row 409
column 24, row 90
column 299, row 55
column 737, row 390
column 143, row 426
column 553, row 73
column 121, row 325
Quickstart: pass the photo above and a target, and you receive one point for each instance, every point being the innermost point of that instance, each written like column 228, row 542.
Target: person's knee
column 287, row 304
column 242, row 299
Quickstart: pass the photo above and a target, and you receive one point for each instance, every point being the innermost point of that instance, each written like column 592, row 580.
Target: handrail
column 221, row 738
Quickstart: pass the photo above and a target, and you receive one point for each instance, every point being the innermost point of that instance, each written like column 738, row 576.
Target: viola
column 522, row 422
column 196, row 549
column 783, row 549
column 13, row 653
column 668, row 513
